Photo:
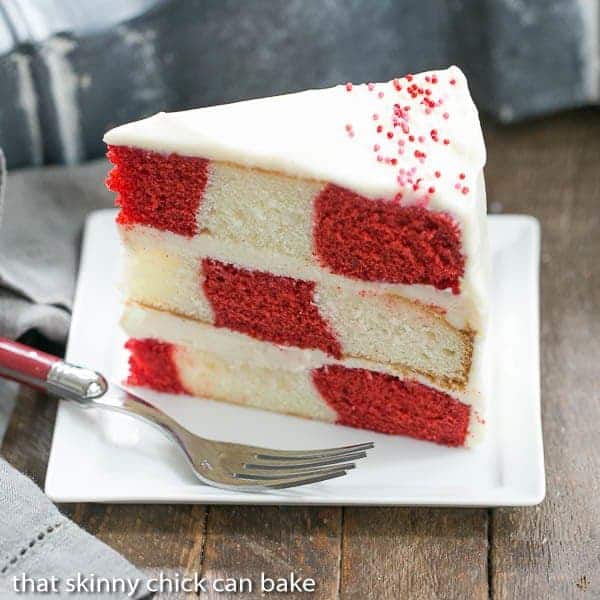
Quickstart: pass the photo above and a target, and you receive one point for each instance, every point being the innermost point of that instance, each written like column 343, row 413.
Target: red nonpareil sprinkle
column 393, row 161
column 379, row 128
column 465, row 190
column 397, row 85
column 379, row 158
column 427, row 78
column 421, row 139
column 376, row 148
column 409, row 77
column 446, row 142
column 348, row 127
column 434, row 79
column 461, row 176
column 446, row 115
column 453, row 82
column 375, row 117
column 434, row 135
column 370, row 86
column 390, row 135
column 428, row 92
column 431, row 190
column 380, row 95
column 348, row 86
column 438, row 174
column 411, row 138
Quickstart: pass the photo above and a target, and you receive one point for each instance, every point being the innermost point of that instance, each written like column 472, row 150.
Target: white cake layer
column 164, row 270
column 224, row 365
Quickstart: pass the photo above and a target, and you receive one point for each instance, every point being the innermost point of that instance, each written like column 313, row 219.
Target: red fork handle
column 46, row 372
column 24, row 364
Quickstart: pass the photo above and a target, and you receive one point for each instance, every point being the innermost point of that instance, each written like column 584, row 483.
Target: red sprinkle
column 348, row 86
column 438, row 174
column 465, row 190
column 461, row 176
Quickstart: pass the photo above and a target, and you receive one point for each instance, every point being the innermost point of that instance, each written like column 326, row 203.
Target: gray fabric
column 42, row 217
column 36, row 539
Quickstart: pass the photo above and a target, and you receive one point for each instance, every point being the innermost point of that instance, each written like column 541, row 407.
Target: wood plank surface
column 243, row 541
column 416, row 553
column 549, row 169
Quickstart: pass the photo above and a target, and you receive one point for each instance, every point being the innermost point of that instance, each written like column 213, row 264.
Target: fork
column 219, row 464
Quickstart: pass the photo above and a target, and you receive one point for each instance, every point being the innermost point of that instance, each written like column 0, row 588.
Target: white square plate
column 102, row 457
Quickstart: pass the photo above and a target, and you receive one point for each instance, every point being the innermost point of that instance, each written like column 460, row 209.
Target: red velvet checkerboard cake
column 321, row 254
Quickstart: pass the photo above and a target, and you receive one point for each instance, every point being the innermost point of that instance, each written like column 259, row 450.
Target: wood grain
column 245, row 541
column 161, row 539
column 551, row 169
column 28, row 438
column 416, row 553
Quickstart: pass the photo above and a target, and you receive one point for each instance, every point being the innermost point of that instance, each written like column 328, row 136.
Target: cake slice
column 321, row 254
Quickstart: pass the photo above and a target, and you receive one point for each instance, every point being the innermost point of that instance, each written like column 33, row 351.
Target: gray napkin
column 42, row 218
column 41, row 221
column 40, row 544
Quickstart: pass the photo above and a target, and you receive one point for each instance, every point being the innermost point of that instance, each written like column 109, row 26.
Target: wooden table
column 550, row 169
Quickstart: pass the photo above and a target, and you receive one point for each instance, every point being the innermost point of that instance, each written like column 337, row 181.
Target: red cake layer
column 377, row 240
column 377, row 401
column 151, row 365
column 267, row 307
column 163, row 191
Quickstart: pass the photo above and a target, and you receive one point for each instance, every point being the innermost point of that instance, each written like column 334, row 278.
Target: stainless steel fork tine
column 286, row 464
column 270, row 476
column 295, row 483
column 286, row 482
column 267, row 453
column 295, row 472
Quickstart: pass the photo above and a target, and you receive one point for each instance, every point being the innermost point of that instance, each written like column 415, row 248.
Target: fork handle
column 43, row 371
